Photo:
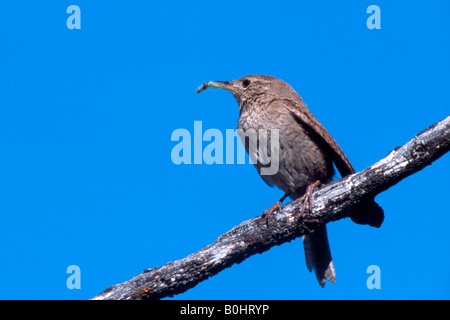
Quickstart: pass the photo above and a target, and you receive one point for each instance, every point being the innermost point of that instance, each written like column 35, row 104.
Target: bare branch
column 263, row 232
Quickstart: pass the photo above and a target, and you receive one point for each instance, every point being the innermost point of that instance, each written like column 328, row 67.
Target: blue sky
column 86, row 118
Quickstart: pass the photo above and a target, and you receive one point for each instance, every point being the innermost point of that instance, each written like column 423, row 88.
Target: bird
column 307, row 154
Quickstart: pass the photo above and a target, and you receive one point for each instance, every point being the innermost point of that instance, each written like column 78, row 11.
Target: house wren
column 306, row 156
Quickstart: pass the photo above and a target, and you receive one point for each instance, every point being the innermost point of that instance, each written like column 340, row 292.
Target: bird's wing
column 302, row 114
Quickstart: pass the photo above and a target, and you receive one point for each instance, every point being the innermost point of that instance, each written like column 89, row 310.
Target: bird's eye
column 245, row 83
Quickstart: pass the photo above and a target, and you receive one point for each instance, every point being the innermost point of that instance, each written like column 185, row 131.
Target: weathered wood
column 263, row 232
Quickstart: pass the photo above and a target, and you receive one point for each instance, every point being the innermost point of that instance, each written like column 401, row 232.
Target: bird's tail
column 318, row 255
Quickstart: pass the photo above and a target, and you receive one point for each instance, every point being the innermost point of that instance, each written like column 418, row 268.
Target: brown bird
column 306, row 153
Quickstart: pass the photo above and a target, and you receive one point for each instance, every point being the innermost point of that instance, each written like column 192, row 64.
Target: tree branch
column 263, row 232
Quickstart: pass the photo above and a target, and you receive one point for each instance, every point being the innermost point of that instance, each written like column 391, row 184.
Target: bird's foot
column 306, row 199
column 272, row 209
column 276, row 206
column 305, row 217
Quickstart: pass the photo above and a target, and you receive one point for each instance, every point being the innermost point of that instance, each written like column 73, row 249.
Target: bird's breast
column 301, row 161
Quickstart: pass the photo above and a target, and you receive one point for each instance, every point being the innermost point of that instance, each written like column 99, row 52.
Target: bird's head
column 250, row 88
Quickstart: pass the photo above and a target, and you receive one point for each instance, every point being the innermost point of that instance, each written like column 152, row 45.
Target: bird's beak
column 227, row 85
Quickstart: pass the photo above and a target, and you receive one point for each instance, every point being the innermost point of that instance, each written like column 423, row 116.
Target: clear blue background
column 86, row 117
